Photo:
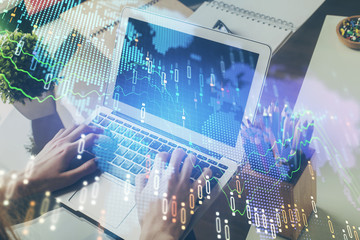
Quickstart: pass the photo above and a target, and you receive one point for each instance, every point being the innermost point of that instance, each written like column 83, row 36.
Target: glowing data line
column 45, row 63
column 50, row 96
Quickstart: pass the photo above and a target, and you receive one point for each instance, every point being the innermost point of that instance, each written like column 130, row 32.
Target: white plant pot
column 34, row 109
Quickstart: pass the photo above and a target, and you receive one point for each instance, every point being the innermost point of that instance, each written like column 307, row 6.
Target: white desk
column 331, row 92
column 15, row 131
column 330, row 89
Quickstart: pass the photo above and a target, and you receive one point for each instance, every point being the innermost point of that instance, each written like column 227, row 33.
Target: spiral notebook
column 270, row 22
column 96, row 19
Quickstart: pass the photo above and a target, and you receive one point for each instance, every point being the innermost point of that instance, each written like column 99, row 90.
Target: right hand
column 167, row 188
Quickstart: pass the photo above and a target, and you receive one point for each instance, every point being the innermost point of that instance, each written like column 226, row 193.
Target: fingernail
column 192, row 157
column 95, row 128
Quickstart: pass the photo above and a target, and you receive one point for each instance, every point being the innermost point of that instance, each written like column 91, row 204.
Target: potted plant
column 25, row 80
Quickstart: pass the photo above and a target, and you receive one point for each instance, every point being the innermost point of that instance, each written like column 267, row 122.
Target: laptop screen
column 193, row 82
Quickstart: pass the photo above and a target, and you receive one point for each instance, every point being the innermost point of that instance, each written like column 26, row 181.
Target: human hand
column 163, row 199
column 50, row 169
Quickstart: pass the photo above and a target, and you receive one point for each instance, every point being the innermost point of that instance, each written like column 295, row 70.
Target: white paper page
column 171, row 8
column 207, row 16
column 294, row 11
column 91, row 16
column 109, row 11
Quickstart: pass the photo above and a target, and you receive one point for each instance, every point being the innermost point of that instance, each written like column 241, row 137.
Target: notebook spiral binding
column 254, row 16
column 115, row 23
column 149, row 4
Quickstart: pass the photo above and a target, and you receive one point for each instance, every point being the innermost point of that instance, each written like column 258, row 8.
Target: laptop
column 172, row 85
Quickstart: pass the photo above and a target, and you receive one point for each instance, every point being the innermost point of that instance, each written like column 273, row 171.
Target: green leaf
column 3, row 98
column 14, row 77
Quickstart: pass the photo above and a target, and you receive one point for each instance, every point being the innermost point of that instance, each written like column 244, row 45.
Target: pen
column 261, row 153
column 266, row 119
column 309, row 131
column 295, row 145
column 308, row 134
column 283, row 115
column 286, row 127
column 273, row 144
column 276, row 121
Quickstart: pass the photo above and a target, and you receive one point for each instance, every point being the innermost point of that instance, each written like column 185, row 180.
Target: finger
column 187, row 168
column 59, row 133
column 205, row 175
column 176, row 157
column 200, row 183
column 67, row 131
column 53, row 140
column 90, row 139
column 140, row 183
column 82, row 129
column 161, row 160
column 259, row 123
column 76, row 133
column 106, row 142
column 303, row 131
column 72, row 176
column 73, row 148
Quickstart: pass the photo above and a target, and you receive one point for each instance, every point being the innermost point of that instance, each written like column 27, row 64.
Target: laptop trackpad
column 105, row 201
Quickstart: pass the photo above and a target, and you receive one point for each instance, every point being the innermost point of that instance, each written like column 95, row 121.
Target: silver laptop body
column 172, row 85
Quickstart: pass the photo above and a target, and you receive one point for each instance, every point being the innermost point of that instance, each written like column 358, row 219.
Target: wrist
column 21, row 189
column 12, row 189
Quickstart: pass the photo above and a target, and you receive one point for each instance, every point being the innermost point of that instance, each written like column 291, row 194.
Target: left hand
column 51, row 166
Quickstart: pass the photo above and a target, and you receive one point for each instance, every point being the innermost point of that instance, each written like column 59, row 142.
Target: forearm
column 12, row 187
column 14, row 197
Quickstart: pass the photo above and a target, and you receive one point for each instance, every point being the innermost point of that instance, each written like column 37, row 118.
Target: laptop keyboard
column 134, row 150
